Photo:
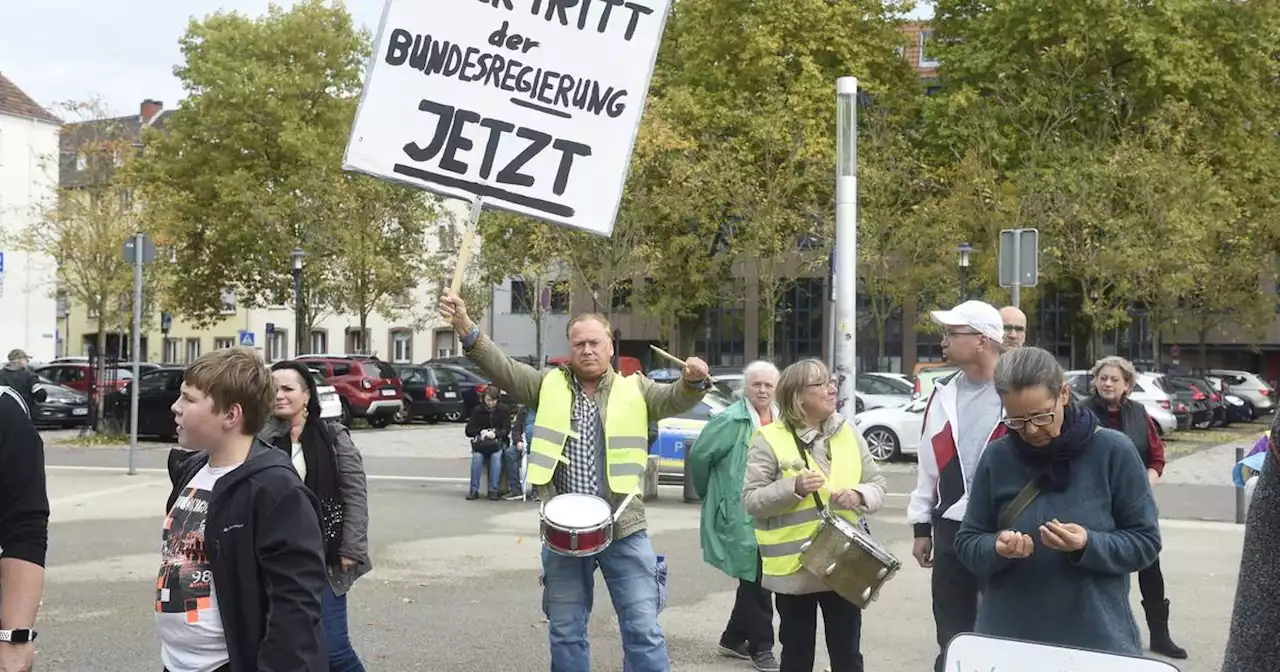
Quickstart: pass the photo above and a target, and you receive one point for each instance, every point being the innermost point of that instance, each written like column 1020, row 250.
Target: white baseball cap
column 982, row 317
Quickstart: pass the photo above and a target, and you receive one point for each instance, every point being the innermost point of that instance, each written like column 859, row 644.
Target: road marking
column 72, row 499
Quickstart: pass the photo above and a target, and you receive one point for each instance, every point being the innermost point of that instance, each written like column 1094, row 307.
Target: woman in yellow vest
column 812, row 451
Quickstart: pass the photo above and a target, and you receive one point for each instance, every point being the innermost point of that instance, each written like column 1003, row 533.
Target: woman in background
column 1113, row 380
column 331, row 466
column 489, row 428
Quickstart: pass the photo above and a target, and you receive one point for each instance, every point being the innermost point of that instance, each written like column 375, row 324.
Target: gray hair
column 762, row 367
column 1026, row 367
column 1126, row 368
column 791, row 385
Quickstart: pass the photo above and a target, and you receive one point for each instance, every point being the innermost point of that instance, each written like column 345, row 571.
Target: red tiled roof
column 14, row 102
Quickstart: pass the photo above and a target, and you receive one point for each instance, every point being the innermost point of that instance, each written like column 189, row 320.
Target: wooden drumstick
column 673, row 359
column 623, row 507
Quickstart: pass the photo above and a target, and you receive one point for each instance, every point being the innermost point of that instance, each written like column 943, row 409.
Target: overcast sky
column 122, row 51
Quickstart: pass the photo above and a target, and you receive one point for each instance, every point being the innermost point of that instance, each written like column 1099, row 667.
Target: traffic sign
column 271, row 328
column 246, row 338
column 166, row 321
column 148, row 250
column 1019, row 257
column 1, row 263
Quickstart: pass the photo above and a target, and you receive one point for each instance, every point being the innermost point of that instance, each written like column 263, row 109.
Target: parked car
column 673, row 435
column 158, row 390
column 330, row 403
column 1238, row 408
column 143, row 367
column 1196, row 402
column 1211, row 395
column 1251, row 388
column 62, row 406
column 471, row 384
column 462, row 362
column 880, row 392
column 900, row 377
column 894, row 431
column 430, row 393
column 927, row 377
column 79, row 376
column 1147, row 390
column 367, row 387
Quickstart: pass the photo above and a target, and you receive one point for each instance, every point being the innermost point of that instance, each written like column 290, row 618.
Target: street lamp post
column 964, row 249
column 299, row 319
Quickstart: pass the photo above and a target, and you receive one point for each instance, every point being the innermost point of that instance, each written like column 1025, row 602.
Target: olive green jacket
column 523, row 383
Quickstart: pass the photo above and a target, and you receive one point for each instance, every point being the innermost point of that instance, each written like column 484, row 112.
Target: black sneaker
column 740, row 651
column 493, row 497
column 764, row 661
column 473, row 495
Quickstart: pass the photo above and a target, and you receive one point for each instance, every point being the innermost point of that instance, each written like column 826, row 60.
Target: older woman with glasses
column 1113, row 380
column 1060, row 514
column 808, row 463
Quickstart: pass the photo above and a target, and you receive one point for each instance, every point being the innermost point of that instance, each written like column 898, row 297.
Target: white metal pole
column 845, row 347
column 1015, row 291
column 137, row 345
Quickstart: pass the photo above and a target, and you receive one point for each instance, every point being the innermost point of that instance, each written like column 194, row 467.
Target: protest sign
column 528, row 105
column 978, row 653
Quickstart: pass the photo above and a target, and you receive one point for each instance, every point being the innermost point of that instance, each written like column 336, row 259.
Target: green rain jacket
column 717, row 464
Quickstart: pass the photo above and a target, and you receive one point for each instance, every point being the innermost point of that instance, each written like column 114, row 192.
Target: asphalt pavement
column 456, row 583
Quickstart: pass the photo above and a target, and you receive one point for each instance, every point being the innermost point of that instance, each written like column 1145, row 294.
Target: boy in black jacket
column 245, row 595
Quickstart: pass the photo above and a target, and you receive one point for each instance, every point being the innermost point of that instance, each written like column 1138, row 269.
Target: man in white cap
column 962, row 416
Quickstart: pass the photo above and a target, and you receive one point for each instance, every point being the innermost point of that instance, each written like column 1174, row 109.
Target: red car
column 368, row 387
column 79, row 376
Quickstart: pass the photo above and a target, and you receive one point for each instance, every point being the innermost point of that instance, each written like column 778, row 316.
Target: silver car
column 1250, row 387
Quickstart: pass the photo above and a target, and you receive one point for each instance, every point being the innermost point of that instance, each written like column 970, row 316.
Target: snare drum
column 848, row 560
column 576, row 525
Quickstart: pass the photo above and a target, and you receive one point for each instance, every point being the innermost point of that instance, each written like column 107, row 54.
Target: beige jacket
column 765, row 493
column 523, row 383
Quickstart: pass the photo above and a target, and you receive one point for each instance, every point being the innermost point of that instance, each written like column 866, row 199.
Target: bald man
column 1015, row 326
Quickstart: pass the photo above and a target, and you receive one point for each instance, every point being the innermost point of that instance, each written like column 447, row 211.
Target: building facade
column 28, row 185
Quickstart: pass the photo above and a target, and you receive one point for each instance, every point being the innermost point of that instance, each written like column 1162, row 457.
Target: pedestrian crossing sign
column 246, row 338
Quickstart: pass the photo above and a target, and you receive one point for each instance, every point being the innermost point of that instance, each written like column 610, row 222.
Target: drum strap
column 1020, row 503
column 804, row 455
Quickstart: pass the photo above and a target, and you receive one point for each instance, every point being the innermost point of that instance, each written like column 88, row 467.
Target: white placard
column 533, row 105
column 978, row 653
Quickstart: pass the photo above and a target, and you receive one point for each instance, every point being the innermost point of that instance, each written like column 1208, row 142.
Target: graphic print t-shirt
column 187, row 618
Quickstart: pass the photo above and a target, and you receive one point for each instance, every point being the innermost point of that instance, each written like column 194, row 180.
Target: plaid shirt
column 581, row 474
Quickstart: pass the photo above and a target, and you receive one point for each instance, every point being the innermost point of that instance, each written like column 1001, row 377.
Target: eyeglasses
column 1014, row 328
column 834, row 382
column 955, row 334
column 1039, row 419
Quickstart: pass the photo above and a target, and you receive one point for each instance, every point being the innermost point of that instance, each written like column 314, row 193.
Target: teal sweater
column 1072, row 599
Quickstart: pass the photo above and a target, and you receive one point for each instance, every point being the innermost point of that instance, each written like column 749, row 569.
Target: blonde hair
column 235, row 377
column 791, row 386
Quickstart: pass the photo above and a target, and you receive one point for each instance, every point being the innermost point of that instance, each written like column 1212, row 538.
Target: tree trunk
column 1157, row 340
column 537, row 336
column 364, row 334
column 96, row 399
column 1203, row 333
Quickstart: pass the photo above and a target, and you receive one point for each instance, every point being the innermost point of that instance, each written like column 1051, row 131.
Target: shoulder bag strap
column 804, row 455
column 1020, row 503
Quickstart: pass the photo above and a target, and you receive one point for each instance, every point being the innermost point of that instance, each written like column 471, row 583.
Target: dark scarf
column 320, row 454
column 1054, row 460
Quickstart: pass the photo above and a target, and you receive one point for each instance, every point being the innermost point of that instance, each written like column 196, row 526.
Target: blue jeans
column 333, row 614
column 637, row 584
column 478, row 461
column 512, row 458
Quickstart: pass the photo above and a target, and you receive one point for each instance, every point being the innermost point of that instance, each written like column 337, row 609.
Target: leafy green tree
column 247, row 167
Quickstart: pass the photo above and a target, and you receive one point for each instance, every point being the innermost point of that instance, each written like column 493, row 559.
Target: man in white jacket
column 963, row 414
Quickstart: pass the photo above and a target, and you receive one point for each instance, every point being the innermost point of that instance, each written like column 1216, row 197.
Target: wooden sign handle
column 464, row 248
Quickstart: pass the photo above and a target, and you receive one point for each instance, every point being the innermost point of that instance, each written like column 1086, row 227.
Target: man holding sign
column 590, row 436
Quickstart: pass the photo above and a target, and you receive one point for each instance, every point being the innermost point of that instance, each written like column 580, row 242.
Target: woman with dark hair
column 1113, row 380
column 331, row 467
column 489, row 430
column 1060, row 514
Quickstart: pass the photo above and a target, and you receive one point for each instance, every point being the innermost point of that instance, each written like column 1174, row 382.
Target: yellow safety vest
column 626, row 432
column 780, row 537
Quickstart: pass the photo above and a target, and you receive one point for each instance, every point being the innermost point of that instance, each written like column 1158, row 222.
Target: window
column 193, row 349
column 319, row 341
column 445, row 377
column 522, row 298
column 228, row 297
column 412, row 376
column 357, row 341
column 341, row 368
column 401, row 346
column 172, row 346
column 926, row 60
column 223, row 343
column 155, row 381
column 82, row 162
column 622, row 297
column 278, row 346
column 559, row 297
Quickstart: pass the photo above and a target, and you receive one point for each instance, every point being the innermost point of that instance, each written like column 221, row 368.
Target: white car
column 876, row 391
column 1146, row 390
column 330, row 404
column 891, row 432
